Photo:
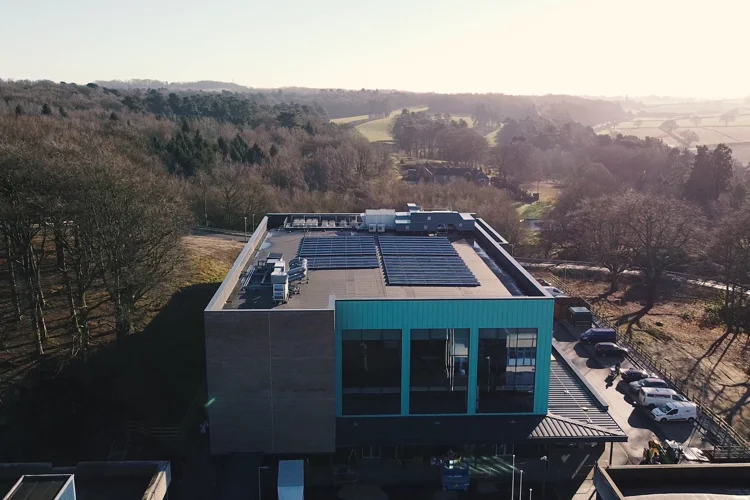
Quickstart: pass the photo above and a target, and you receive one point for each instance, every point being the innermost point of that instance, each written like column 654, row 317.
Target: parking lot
column 631, row 418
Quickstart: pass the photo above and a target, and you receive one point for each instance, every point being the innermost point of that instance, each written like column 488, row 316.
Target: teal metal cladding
column 516, row 312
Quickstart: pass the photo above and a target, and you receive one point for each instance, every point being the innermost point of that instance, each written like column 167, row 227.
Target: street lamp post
column 520, row 486
column 545, row 459
column 245, row 217
column 513, row 478
column 262, row 467
column 253, row 222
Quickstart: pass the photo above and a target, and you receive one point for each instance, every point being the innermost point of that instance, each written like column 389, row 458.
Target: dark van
column 596, row 335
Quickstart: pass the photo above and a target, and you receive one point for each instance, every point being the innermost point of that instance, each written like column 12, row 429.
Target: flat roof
column 44, row 487
column 673, row 482
column 93, row 480
column 365, row 283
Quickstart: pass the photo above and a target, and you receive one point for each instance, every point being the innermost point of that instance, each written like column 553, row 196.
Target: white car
column 674, row 411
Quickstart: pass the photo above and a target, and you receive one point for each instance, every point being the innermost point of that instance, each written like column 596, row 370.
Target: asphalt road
column 632, row 419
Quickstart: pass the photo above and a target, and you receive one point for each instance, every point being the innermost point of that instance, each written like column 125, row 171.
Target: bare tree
column 688, row 137
column 664, row 236
column 25, row 232
column 133, row 217
column 602, row 235
column 669, row 126
column 729, row 117
column 696, row 120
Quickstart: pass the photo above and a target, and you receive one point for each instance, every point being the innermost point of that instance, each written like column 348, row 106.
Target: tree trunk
column 614, row 282
column 40, row 325
column 123, row 320
column 13, row 284
column 63, row 268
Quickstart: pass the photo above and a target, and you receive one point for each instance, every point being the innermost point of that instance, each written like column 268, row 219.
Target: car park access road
column 634, row 421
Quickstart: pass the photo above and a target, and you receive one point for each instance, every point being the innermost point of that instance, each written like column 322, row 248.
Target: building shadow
column 77, row 410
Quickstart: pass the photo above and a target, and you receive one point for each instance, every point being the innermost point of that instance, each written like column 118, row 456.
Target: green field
column 349, row 119
column 491, row 137
column 377, row 130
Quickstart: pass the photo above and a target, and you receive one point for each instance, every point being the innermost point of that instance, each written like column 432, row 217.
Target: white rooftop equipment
column 291, row 483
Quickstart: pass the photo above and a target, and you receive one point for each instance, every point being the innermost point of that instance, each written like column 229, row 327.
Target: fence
column 729, row 444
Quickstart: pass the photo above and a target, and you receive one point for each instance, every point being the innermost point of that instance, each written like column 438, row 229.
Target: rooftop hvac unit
column 381, row 228
column 373, row 228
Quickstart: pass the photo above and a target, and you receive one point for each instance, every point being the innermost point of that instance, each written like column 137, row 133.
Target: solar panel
column 340, row 245
column 343, row 262
column 416, row 245
column 416, row 270
column 339, row 252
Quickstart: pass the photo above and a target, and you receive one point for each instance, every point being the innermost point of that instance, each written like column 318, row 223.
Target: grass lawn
column 377, row 130
column 674, row 332
column 537, row 210
column 491, row 137
column 348, row 119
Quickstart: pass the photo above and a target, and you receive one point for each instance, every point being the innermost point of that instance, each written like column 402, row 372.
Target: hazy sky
column 594, row 47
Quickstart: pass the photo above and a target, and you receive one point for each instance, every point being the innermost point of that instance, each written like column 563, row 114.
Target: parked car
column 555, row 292
column 610, row 349
column 653, row 397
column 678, row 410
column 596, row 335
column 634, row 374
column 648, row 382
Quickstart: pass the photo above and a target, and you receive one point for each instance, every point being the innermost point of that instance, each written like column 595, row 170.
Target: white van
column 676, row 410
column 653, row 397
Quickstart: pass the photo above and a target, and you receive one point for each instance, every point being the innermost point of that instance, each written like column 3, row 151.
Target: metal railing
column 728, row 442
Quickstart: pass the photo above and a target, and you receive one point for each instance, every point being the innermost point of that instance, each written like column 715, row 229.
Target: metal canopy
column 467, row 430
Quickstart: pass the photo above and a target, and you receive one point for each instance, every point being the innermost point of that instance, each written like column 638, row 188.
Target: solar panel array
column 339, row 252
column 423, row 261
column 415, row 245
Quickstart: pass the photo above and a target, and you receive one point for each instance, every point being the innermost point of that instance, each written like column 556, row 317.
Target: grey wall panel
column 271, row 375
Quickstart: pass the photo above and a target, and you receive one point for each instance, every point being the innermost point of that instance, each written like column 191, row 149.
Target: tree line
column 423, row 135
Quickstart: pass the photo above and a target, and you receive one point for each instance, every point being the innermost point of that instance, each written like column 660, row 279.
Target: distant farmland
column 711, row 131
column 377, row 130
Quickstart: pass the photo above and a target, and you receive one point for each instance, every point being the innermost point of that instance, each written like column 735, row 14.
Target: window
column 506, row 370
column 429, row 217
column 439, row 371
column 371, row 372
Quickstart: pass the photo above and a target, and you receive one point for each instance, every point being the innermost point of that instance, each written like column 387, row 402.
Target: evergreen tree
column 46, row 110
column 62, row 111
column 113, row 116
column 238, row 150
column 223, row 147
column 19, row 110
column 273, row 151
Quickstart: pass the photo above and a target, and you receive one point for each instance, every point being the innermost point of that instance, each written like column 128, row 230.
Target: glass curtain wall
column 371, row 372
column 506, row 370
column 439, row 371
